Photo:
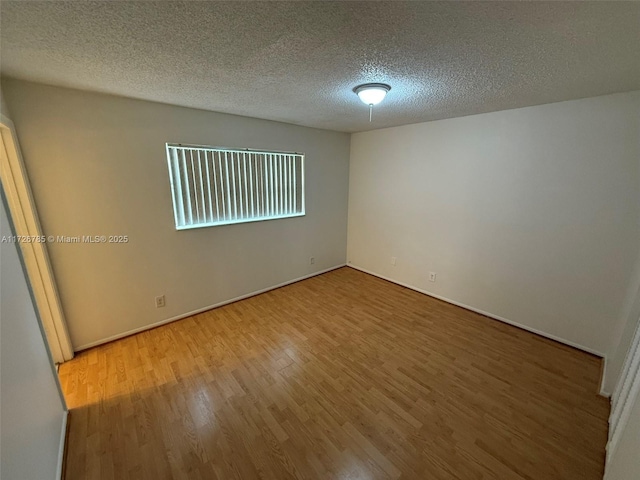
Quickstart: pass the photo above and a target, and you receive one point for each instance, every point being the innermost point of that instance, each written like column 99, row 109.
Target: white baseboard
column 487, row 314
column 63, row 440
column 200, row 310
column 603, row 392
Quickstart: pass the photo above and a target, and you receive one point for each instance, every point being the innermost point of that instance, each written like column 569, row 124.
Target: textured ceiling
column 297, row 62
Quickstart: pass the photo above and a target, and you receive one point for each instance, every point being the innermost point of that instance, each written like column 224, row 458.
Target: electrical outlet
column 393, row 260
column 312, row 260
column 160, row 301
column 432, row 276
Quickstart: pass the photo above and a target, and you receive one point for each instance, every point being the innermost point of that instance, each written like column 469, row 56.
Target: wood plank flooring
column 342, row 376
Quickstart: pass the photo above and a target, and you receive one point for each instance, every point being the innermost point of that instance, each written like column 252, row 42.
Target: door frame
column 15, row 182
column 625, row 395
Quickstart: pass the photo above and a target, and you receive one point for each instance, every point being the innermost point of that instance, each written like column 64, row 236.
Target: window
column 218, row 186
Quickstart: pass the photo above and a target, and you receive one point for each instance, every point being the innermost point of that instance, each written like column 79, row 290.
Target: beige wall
column 97, row 166
column 531, row 215
column 31, row 406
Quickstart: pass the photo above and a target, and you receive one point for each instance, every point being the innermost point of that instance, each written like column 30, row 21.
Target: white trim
column 35, row 255
column 63, row 441
column 186, row 146
column 242, row 220
column 624, row 395
column 203, row 309
column 486, row 314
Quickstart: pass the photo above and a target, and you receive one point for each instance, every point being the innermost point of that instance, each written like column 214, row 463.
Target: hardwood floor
column 342, row 376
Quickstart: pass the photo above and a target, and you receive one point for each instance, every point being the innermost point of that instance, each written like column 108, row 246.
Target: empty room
column 320, row 240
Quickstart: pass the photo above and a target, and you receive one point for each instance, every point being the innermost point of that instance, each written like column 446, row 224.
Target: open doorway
column 32, row 243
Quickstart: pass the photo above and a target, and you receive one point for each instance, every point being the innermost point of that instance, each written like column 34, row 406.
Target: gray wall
column 624, row 465
column 615, row 360
column 531, row 215
column 97, row 166
column 31, row 407
column 4, row 110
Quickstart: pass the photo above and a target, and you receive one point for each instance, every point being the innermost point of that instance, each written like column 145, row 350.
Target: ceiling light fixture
column 372, row 94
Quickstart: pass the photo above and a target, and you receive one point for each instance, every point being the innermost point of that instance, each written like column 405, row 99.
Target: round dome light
column 372, row 93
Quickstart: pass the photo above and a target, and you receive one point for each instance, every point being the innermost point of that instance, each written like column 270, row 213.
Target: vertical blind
column 218, row 186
